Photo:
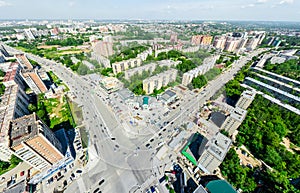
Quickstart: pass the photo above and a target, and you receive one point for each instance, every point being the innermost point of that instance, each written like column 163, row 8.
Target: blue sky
column 265, row 10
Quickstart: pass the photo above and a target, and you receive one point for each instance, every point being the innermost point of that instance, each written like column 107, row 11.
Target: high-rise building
column 23, row 61
column 14, row 103
column 201, row 39
column 213, row 153
column 32, row 141
column 231, row 44
column 234, row 120
column 246, row 99
column 159, row 80
column 103, row 48
column 34, row 81
column 219, row 42
column 29, row 34
column 13, row 77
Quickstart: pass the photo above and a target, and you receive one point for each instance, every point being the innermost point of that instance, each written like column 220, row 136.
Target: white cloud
column 262, row 1
column 4, row 4
column 247, row 6
column 71, row 3
column 286, row 2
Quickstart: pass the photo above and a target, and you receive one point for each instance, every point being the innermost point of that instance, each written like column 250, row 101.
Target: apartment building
column 125, row 65
column 23, row 61
column 149, row 67
column 32, row 141
column 208, row 64
column 13, row 77
column 234, row 120
column 201, row 39
column 219, row 42
column 245, row 99
column 213, row 153
column 231, row 44
column 14, row 103
column 34, row 81
column 159, row 80
column 103, row 48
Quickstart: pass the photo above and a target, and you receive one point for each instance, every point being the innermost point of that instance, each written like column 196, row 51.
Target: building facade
column 159, row 80
column 14, row 104
column 125, row 65
column 208, row 64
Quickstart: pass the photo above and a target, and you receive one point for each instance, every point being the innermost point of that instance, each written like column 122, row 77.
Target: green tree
column 31, row 108
column 199, row 81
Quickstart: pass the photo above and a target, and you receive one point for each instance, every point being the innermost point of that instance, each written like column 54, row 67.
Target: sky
column 253, row 10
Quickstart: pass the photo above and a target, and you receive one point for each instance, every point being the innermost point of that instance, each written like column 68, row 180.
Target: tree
column 14, row 160
column 82, row 69
column 199, row 81
column 31, row 108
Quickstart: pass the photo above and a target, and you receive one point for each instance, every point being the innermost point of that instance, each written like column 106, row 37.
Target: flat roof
column 145, row 100
column 220, row 186
column 22, row 129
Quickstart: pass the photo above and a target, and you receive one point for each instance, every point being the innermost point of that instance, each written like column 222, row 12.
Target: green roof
column 220, row 186
column 145, row 100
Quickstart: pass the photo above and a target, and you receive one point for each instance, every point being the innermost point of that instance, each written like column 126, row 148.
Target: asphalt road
column 124, row 163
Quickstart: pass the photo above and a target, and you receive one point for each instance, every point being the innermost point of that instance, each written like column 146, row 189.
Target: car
column 79, row 171
column 101, row 182
column 147, row 145
column 22, row 173
column 151, row 140
column 97, row 190
column 73, row 175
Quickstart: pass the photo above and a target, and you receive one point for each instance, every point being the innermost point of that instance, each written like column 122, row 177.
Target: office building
column 208, row 63
column 234, row 120
column 23, row 61
column 125, row 65
column 33, row 141
column 159, row 80
column 245, row 99
column 14, row 103
column 213, row 153
column 34, row 81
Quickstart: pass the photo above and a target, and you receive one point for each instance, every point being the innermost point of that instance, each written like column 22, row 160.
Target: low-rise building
column 159, row 80
column 168, row 97
column 111, row 84
column 33, row 141
column 213, row 153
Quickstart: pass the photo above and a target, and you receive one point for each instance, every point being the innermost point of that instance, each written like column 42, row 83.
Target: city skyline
column 265, row 10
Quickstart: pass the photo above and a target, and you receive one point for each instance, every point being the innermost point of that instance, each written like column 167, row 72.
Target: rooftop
column 220, row 186
column 23, row 129
column 219, row 146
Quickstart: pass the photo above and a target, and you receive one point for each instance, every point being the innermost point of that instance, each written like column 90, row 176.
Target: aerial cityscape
column 150, row 97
